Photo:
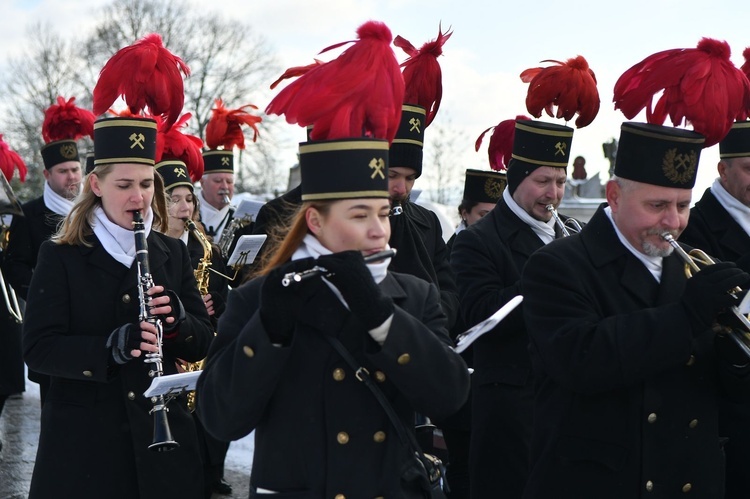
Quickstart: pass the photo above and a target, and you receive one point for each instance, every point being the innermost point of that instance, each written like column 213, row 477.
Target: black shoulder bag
column 422, row 471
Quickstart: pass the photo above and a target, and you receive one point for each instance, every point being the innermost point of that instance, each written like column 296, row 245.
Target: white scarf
column 55, row 202
column 461, row 226
column 654, row 264
column 117, row 241
column 545, row 230
column 738, row 211
column 213, row 219
column 184, row 237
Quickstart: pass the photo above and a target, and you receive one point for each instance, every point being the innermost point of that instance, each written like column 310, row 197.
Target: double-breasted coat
column 95, row 425
column 487, row 259
column 319, row 431
column 625, row 391
column 712, row 229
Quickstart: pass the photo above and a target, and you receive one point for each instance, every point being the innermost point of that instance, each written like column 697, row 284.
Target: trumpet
column 317, row 270
column 569, row 226
column 738, row 326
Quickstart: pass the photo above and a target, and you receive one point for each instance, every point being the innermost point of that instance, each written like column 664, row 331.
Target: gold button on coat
column 342, row 438
column 404, row 358
column 131, row 395
column 693, row 423
column 687, row 487
column 379, row 376
column 248, row 351
column 691, row 360
column 649, row 486
column 339, row 374
column 652, row 417
column 340, row 496
column 126, row 298
column 379, row 436
column 88, row 374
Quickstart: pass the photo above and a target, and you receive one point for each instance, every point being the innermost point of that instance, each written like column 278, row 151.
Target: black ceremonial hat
column 535, row 144
column 736, row 143
column 218, row 161
column 89, row 162
column 124, row 140
column 344, row 169
column 174, row 173
column 658, row 155
column 406, row 148
column 482, row 186
column 58, row 152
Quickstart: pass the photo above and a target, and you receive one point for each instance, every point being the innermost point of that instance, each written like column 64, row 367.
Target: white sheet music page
column 172, row 383
column 247, row 245
column 468, row 337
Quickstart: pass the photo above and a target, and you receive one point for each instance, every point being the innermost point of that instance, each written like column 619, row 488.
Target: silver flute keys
column 317, row 270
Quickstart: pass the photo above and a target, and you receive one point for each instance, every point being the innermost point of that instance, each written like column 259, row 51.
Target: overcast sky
column 492, row 43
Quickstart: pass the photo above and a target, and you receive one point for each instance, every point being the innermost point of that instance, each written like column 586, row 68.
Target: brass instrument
column 227, row 235
column 317, row 270
column 162, row 440
column 8, row 206
column 201, row 278
column 569, row 226
column 738, row 326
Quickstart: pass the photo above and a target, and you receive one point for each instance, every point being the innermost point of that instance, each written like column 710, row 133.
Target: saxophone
column 201, row 277
column 227, row 235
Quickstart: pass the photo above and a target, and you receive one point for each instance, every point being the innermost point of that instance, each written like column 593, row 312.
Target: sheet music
column 247, row 245
column 172, row 384
column 468, row 337
column 248, row 209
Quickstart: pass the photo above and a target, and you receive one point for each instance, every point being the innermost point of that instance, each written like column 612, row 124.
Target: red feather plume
column 500, row 149
column 701, row 86
column 10, row 160
column 65, row 120
column 171, row 143
column 225, row 126
column 570, row 85
column 360, row 93
column 146, row 75
column 295, row 71
column 746, row 66
column 423, row 78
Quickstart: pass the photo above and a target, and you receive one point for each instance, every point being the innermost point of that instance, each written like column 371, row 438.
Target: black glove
column 349, row 273
column 280, row 305
column 707, row 292
column 177, row 313
column 122, row 340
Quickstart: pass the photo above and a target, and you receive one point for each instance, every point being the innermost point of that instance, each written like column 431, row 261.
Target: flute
column 317, row 270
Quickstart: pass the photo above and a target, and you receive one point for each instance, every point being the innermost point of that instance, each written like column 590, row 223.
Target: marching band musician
column 621, row 340
column 82, row 327
column 319, row 431
column 720, row 226
column 177, row 172
column 63, row 125
column 487, row 259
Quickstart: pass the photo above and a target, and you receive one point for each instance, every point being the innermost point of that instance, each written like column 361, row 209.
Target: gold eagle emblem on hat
column 679, row 168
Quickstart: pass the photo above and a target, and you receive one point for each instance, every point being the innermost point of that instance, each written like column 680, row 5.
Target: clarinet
column 162, row 440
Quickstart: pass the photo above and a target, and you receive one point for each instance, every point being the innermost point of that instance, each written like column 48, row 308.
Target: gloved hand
column 280, row 305
column 163, row 299
column 123, row 341
column 707, row 292
column 352, row 277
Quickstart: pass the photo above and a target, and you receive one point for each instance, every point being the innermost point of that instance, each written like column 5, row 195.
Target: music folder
column 172, row 384
column 248, row 208
column 468, row 337
column 246, row 249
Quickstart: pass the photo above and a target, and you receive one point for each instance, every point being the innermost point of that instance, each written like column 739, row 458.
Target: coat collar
column 729, row 233
column 514, row 231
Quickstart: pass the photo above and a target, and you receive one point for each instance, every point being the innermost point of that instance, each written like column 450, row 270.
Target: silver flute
column 317, row 270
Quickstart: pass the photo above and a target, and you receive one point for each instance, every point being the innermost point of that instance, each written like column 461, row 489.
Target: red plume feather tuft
column 571, row 86
column 171, row 143
column 360, row 93
column 701, row 86
column 225, row 126
column 501, row 143
column 145, row 74
column 65, row 120
column 746, row 66
column 295, row 71
column 422, row 73
column 10, row 160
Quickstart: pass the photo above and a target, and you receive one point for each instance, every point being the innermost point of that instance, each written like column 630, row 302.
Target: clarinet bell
column 163, row 440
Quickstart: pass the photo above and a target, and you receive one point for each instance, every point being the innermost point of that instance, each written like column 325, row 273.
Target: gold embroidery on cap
column 68, row 151
column 377, row 165
column 561, row 148
column 224, row 161
column 137, row 139
column 679, row 168
column 415, row 123
column 493, row 188
column 180, row 172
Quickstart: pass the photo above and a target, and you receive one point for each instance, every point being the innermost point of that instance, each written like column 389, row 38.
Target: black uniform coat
column 487, row 259
column 95, row 426
column 218, row 286
column 625, row 393
column 319, row 431
column 11, row 356
column 418, row 237
column 712, row 229
column 27, row 234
